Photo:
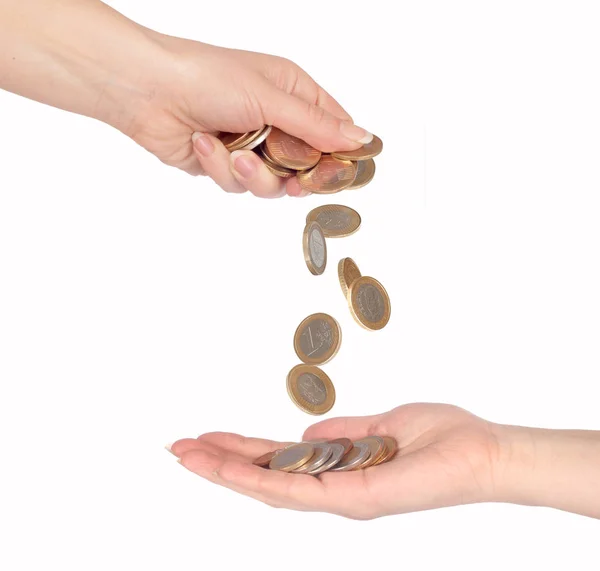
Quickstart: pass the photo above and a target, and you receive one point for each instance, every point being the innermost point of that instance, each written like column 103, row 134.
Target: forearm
column 553, row 468
column 77, row 55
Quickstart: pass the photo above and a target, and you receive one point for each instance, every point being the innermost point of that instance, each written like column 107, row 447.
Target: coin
column 376, row 446
column 273, row 167
column 335, row 220
column 322, row 453
column 369, row 303
column 355, row 458
column 290, row 152
column 337, row 453
column 315, row 249
column 234, row 141
column 391, row 448
column 310, row 389
column 265, row 459
column 365, row 171
column 348, row 273
column 365, row 152
column 292, row 457
column 345, row 442
column 258, row 138
column 328, row 176
column 317, row 339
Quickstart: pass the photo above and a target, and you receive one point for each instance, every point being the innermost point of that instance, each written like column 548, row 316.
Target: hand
column 446, row 456
column 201, row 89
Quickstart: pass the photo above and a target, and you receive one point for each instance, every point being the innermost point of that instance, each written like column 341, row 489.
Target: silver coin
column 322, row 453
column 355, row 458
column 292, row 457
column 316, row 339
column 253, row 144
column 311, row 389
column 337, row 453
column 316, row 246
column 370, row 303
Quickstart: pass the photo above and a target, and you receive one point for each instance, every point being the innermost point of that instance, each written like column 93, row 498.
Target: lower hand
column 446, row 456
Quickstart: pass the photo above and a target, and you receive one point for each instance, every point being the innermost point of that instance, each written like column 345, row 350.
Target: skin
column 170, row 95
column 447, row 456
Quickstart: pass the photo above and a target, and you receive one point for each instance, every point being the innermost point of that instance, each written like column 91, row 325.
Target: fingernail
column 243, row 164
column 168, row 449
column 203, row 144
column 355, row 133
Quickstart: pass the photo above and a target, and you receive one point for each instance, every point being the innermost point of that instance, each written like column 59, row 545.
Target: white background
column 139, row 305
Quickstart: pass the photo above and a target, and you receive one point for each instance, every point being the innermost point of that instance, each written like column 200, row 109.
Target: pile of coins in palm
column 340, row 455
column 318, row 338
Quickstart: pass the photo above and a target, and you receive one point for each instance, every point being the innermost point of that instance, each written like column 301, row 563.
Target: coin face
column 335, row 220
column 328, row 176
column 322, row 453
column 265, row 459
column 348, row 273
column 315, row 249
column 317, row 339
column 365, row 171
column 354, row 459
column 376, row 446
column 337, row 453
column 369, row 303
column 276, row 169
column 292, row 457
column 365, row 152
column 310, row 389
column 291, row 152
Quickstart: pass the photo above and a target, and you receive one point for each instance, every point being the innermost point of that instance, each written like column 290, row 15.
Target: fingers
column 307, row 89
column 312, row 123
column 251, row 173
column 349, row 427
column 294, row 189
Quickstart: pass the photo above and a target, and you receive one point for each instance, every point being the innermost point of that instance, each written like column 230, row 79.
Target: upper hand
column 199, row 88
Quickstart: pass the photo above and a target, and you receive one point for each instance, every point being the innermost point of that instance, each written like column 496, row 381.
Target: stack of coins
column 338, row 455
column 320, row 173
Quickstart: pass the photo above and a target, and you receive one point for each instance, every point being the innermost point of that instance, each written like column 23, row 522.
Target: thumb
column 312, row 123
column 353, row 427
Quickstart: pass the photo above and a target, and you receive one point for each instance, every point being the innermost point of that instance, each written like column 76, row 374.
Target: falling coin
column 265, row 459
column 376, row 446
column 317, row 339
column 310, row 389
column 290, row 152
column 315, row 248
column 337, row 453
column 292, row 457
column 365, row 152
column 369, row 303
column 322, row 453
column 328, row 176
column 365, row 171
column 335, row 220
column 348, row 273
column 357, row 456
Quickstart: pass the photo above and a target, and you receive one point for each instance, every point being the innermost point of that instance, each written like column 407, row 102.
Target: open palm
column 446, row 457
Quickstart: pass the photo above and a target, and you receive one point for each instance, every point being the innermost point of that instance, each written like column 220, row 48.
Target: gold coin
column 365, row 171
column 273, row 167
column 317, row 339
column 369, row 303
column 310, row 389
column 291, row 152
column 336, row 221
column 315, row 248
column 391, row 447
column 365, row 152
column 234, row 141
column 257, row 138
column 328, row 176
column 265, row 459
column 376, row 446
column 292, row 457
column 348, row 273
